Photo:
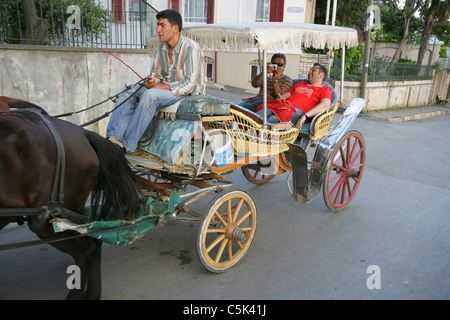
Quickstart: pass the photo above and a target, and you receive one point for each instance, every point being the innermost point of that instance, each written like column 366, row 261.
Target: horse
column 94, row 167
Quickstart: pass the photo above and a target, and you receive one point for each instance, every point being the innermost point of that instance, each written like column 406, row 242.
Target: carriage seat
column 316, row 127
column 321, row 122
column 255, row 117
column 191, row 107
column 173, row 126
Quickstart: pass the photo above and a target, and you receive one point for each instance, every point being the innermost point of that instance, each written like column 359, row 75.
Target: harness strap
column 57, row 195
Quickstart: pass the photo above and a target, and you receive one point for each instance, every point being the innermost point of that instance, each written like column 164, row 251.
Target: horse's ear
column 6, row 103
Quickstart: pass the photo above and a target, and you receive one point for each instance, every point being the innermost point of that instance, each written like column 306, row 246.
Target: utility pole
column 367, row 33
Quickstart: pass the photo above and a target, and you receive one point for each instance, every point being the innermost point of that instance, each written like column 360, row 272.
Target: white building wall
column 235, row 11
column 159, row 5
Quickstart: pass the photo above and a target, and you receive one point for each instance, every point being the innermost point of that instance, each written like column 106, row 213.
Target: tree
column 36, row 28
column 442, row 32
column 392, row 27
column 45, row 21
column 433, row 12
column 408, row 11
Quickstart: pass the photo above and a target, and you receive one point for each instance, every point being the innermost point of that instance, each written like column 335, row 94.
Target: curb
column 418, row 116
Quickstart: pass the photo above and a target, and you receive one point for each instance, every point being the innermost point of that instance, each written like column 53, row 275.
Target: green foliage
column 353, row 58
column 406, row 61
column 392, row 27
column 93, row 17
column 442, row 32
column 443, row 51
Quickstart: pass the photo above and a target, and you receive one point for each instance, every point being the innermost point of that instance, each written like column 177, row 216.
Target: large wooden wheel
column 227, row 230
column 344, row 171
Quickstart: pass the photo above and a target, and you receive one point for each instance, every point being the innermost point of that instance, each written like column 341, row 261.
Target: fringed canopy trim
column 267, row 36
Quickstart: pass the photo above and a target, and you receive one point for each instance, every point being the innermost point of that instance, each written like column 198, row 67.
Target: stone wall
column 382, row 95
column 66, row 79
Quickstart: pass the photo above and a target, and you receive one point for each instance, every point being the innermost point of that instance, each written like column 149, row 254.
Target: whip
column 114, row 57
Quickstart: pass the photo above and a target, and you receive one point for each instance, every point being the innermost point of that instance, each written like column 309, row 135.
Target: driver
column 177, row 72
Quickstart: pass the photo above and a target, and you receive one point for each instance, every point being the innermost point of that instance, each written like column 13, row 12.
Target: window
column 136, row 9
column 195, row 10
column 209, row 68
column 254, row 69
column 262, row 10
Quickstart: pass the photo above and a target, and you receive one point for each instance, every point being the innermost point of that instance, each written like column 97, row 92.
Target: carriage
column 191, row 145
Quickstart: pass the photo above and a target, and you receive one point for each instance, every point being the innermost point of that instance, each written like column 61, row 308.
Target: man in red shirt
column 303, row 101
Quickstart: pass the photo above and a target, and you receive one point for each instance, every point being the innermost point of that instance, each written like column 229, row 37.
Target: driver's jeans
column 130, row 120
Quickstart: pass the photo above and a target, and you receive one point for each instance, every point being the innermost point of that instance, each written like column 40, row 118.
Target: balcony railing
column 77, row 23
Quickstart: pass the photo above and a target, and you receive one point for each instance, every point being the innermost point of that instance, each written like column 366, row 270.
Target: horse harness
column 53, row 207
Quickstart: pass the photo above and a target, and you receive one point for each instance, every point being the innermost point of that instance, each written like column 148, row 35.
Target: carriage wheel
column 227, row 230
column 255, row 176
column 344, row 171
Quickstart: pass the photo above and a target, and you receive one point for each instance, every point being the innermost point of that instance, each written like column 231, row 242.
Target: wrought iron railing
column 382, row 71
column 444, row 63
column 108, row 23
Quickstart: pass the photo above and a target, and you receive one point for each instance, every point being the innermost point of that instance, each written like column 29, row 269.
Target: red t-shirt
column 305, row 97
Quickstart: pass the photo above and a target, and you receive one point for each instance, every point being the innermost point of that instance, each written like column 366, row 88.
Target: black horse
column 93, row 167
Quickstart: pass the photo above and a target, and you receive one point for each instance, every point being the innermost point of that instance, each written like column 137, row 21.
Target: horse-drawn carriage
column 190, row 145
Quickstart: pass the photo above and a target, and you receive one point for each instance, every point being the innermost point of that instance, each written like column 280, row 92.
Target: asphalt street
column 390, row 243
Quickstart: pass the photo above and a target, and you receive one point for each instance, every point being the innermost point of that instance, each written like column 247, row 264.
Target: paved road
column 398, row 223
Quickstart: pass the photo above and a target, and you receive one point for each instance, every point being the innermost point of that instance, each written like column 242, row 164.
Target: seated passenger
column 302, row 102
column 277, row 83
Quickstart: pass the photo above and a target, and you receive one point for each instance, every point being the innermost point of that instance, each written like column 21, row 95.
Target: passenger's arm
column 323, row 105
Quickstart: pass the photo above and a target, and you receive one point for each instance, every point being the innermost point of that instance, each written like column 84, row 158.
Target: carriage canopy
column 267, row 36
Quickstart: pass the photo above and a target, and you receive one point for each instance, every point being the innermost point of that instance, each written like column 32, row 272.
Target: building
column 235, row 11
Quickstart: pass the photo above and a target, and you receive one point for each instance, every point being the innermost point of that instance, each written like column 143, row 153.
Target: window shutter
column 210, row 11
column 175, row 4
column 118, row 14
column 276, row 10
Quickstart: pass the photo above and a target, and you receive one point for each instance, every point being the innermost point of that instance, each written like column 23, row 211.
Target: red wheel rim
column 345, row 171
column 256, row 176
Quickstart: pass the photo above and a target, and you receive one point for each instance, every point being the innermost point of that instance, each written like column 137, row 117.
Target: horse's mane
column 6, row 103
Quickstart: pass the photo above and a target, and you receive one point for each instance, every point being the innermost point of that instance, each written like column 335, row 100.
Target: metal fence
column 308, row 60
column 382, row 71
column 444, row 63
column 107, row 23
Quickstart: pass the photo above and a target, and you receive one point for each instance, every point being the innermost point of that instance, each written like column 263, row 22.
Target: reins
column 108, row 113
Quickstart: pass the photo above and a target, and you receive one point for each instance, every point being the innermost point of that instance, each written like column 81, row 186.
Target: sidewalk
column 408, row 114
column 395, row 115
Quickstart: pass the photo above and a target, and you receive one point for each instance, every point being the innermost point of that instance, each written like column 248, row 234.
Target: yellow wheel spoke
column 239, row 244
column 215, row 242
column 238, row 208
column 220, row 218
column 229, row 211
column 222, row 247
column 243, row 218
column 215, row 231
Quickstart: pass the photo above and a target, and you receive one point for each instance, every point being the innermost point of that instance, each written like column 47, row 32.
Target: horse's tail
column 115, row 189
column 6, row 103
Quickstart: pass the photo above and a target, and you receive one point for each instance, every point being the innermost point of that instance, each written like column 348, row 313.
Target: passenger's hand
column 300, row 123
column 281, row 97
column 277, row 74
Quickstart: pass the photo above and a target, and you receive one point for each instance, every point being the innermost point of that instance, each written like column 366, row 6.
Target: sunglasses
column 280, row 64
